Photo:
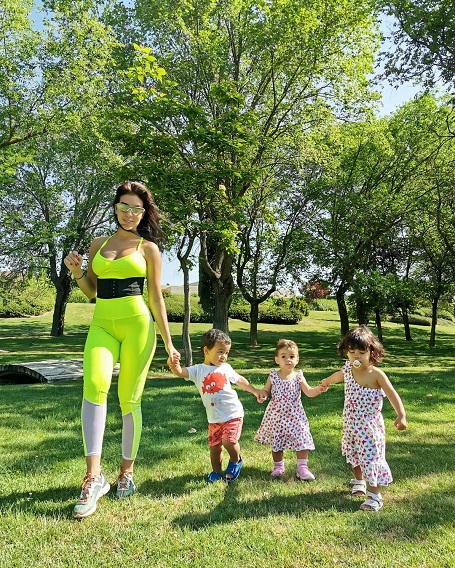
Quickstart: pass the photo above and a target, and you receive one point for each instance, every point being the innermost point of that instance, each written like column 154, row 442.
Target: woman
column 122, row 330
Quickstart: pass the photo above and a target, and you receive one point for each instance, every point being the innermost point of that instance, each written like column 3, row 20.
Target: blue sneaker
column 125, row 484
column 93, row 487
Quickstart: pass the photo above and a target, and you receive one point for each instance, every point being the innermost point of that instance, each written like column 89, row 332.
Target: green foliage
column 239, row 308
column 274, row 310
column 300, row 305
column 413, row 320
column 281, row 302
column 166, row 293
column 77, row 296
column 423, row 36
column 324, row 305
column 30, row 297
column 175, row 309
column 272, row 313
column 446, row 315
column 425, row 311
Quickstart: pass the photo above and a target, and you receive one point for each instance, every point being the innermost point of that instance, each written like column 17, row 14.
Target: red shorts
column 229, row 431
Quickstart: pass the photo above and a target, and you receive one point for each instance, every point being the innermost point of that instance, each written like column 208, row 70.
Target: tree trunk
column 342, row 311
column 186, row 339
column 434, row 320
column 254, row 316
column 407, row 328
column 362, row 317
column 223, row 294
column 205, row 290
column 377, row 317
column 63, row 292
column 217, row 264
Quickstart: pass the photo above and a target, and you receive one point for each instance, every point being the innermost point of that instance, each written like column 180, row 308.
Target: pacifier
column 356, row 363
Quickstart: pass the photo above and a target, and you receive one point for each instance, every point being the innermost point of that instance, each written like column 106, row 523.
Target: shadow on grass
column 172, row 406
column 27, row 339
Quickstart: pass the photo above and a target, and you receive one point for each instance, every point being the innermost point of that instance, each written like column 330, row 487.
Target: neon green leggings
column 131, row 340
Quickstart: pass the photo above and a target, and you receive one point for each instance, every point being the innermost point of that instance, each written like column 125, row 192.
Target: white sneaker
column 93, row 487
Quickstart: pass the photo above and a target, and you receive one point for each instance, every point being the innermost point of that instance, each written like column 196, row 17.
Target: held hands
column 173, row 361
column 262, row 396
column 322, row 387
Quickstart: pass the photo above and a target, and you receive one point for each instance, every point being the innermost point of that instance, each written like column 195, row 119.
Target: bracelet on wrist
column 83, row 274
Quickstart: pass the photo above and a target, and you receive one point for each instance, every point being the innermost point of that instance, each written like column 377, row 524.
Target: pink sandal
column 278, row 469
column 303, row 473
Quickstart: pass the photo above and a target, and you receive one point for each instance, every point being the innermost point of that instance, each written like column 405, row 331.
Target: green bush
column 426, row 312
column 414, row 319
column 445, row 315
column 281, row 302
column 30, row 297
column 77, row 296
column 273, row 310
column 324, row 305
column 240, row 311
column 300, row 305
column 175, row 309
column 279, row 315
column 239, row 308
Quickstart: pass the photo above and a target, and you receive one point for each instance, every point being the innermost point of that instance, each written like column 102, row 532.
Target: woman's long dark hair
column 149, row 228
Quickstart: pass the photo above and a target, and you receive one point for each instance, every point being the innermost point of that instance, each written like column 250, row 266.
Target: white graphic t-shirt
column 214, row 384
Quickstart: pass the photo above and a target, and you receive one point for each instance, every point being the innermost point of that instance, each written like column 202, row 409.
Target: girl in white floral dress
column 284, row 425
column 363, row 440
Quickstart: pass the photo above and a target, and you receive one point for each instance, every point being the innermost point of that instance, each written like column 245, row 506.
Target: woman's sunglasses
column 124, row 208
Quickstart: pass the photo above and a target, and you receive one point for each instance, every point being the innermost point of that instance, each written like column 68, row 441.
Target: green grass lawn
column 176, row 519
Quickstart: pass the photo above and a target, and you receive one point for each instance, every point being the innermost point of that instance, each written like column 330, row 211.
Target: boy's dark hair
column 362, row 338
column 211, row 336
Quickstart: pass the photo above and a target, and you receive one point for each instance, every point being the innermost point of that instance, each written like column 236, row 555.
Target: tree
column 240, row 81
column 273, row 242
column 370, row 185
column 424, row 36
column 23, row 87
column 55, row 204
column 47, row 76
column 431, row 228
column 55, row 196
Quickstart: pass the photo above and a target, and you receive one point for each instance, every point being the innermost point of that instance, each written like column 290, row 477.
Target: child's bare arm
column 177, row 369
column 395, row 400
column 311, row 392
column 336, row 377
column 244, row 384
column 265, row 391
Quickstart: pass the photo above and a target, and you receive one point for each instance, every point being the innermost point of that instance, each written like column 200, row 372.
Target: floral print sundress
column 363, row 440
column 284, row 425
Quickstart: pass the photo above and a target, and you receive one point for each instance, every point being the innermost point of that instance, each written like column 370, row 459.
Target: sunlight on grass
column 176, row 519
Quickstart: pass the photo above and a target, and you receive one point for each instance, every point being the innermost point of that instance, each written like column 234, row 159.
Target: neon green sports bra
column 127, row 267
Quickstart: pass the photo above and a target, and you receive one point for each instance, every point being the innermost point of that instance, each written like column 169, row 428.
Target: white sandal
column 359, row 487
column 374, row 502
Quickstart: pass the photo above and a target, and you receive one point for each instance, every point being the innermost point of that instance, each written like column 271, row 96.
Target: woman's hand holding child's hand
column 173, row 361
